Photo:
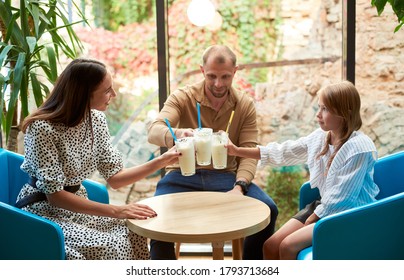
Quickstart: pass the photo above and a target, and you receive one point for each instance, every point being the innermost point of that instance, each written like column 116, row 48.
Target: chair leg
column 237, row 248
column 177, row 249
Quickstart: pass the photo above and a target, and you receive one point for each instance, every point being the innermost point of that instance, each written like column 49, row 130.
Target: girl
column 340, row 161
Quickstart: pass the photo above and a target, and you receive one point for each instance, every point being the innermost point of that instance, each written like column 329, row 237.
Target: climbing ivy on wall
column 111, row 14
column 249, row 28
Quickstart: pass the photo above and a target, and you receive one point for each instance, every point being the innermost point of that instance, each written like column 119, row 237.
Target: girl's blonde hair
column 343, row 100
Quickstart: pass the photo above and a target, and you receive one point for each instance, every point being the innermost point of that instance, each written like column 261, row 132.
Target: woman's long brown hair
column 69, row 101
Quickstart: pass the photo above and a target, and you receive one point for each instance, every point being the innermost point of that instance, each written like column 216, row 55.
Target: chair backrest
column 389, row 174
column 12, row 178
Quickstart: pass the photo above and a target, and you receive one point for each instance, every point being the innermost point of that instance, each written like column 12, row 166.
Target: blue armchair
column 24, row 235
column 374, row 231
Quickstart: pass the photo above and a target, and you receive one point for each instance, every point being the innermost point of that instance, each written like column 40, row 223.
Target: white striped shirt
column 349, row 180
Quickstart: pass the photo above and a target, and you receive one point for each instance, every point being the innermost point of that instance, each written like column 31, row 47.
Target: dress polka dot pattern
column 64, row 156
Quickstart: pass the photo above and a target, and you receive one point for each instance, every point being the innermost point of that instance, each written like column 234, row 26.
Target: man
column 217, row 99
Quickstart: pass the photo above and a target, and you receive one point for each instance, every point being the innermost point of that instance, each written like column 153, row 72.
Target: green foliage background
column 283, row 185
column 249, row 28
column 111, row 14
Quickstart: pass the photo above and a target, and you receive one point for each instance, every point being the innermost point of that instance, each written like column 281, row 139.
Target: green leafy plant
column 249, row 27
column 31, row 43
column 122, row 50
column 112, row 14
column 283, row 185
column 398, row 8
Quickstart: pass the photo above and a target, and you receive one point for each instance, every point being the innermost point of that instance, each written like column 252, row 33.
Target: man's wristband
column 244, row 186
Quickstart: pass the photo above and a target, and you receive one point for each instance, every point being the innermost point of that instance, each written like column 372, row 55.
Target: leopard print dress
column 60, row 156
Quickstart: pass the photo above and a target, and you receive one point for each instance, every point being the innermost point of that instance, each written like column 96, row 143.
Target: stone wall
column 287, row 103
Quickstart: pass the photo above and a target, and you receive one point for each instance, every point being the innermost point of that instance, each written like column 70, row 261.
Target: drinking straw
column 231, row 118
column 171, row 130
column 198, row 107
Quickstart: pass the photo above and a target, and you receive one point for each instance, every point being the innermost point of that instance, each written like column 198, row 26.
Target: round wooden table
column 198, row 217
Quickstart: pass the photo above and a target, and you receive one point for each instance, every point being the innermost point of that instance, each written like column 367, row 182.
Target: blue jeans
column 212, row 180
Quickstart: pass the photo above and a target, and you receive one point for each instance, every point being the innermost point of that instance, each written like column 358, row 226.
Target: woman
column 66, row 140
column 340, row 161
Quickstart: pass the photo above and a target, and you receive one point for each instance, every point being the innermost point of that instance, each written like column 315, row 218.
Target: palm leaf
column 22, row 50
column 2, row 84
column 18, row 73
column 14, row 32
column 52, row 65
column 24, row 19
column 36, row 89
column 35, row 11
column 31, row 42
column 24, row 93
column 4, row 53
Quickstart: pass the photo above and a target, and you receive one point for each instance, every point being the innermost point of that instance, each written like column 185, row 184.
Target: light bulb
column 201, row 12
column 216, row 22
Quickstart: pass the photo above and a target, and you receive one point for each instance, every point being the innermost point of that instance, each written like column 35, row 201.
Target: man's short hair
column 221, row 54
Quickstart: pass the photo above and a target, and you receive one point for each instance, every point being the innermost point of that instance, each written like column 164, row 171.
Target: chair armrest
column 373, row 231
column 26, row 236
column 307, row 195
column 96, row 191
column 305, row 254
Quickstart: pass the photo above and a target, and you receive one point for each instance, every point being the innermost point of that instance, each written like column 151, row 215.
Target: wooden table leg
column 217, row 250
column 177, row 249
column 237, row 248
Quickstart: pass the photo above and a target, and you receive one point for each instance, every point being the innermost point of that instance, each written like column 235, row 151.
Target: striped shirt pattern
column 349, row 181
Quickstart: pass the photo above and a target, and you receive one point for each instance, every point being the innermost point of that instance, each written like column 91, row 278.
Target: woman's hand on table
column 136, row 211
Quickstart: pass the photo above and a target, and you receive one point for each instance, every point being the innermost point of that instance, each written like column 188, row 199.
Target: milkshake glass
column 203, row 145
column 187, row 159
column 219, row 152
